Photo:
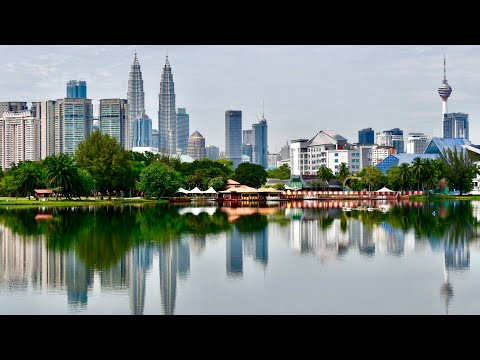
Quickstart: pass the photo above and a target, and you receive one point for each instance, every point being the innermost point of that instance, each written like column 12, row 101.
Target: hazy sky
column 305, row 88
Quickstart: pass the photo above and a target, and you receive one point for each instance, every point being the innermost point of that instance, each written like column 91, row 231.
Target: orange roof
column 232, row 182
column 43, row 191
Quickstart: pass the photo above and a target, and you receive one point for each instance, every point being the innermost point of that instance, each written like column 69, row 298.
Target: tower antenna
column 263, row 110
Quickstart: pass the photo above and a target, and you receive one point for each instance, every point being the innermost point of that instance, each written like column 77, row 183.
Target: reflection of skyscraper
column 79, row 278
column 141, row 261
column 198, row 244
column 261, row 246
column 234, row 253
column 174, row 257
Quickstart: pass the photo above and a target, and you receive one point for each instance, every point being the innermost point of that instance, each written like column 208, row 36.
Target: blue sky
column 305, row 88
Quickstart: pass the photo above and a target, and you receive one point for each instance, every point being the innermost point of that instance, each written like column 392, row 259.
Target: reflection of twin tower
column 251, row 244
column 26, row 263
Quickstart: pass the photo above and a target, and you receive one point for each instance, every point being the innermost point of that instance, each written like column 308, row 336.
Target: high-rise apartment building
column 212, row 152
column 366, row 136
column 113, row 119
column 417, row 143
column 455, row 125
column 73, row 123
column 19, row 138
column 142, row 132
column 44, row 112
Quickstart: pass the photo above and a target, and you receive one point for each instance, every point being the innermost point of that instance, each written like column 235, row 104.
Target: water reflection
column 118, row 247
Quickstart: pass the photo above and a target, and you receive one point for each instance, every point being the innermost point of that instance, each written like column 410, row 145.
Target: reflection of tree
column 101, row 236
column 251, row 223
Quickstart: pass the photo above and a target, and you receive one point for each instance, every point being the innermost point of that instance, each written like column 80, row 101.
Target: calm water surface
column 309, row 258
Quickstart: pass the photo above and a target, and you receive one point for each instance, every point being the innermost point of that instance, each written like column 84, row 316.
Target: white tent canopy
column 384, row 189
column 182, row 190
column 210, row 190
column 196, row 191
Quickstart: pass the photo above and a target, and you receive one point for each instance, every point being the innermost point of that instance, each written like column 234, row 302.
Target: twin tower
column 167, row 116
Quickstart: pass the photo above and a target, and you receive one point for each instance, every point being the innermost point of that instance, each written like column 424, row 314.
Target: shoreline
column 443, row 197
column 25, row 203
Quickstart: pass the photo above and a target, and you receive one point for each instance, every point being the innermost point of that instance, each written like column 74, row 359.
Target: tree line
column 101, row 167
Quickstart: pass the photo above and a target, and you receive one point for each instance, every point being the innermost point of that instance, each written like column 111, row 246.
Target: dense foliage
column 252, row 175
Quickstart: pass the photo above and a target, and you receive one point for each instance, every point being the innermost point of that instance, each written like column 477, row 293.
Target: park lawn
column 25, row 203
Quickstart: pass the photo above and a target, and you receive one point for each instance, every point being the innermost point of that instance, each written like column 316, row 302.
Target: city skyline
column 315, row 87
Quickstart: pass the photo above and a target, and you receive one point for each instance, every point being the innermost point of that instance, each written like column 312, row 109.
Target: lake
column 311, row 257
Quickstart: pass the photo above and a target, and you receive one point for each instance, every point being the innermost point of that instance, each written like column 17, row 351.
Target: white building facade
column 19, row 138
column 417, row 143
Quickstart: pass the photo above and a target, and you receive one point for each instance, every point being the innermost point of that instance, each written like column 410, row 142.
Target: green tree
column 405, row 175
column 28, row 176
column 279, row 186
column 282, row 173
column 460, row 169
column 252, row 175
column 343, row 171
column 218, row 183
column 158, row 180
column 62, row 174
column 324, row 174
column 372, row 177
column 393, row 178
column 110, row 165
column 417, row 169
column 87, row 183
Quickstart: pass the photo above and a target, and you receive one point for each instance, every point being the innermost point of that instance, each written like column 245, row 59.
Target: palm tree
column 404, row 170
column 324, row 174
column 343, row 171
column 28, row 176
column 417, row 170
column 61, row 172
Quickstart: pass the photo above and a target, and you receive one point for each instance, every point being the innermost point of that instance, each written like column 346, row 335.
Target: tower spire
column 263, row 110
column 444, row 68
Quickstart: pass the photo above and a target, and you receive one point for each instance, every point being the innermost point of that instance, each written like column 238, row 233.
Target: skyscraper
column 366, row 136
column 113, row 118
column 233, row 136
column 212, row 152
column 183, row 129
column 73, row 123
column 167, row 117
column 455, row 125
column 394, row 138
column 417, row 143
column 44, row 112
column 196, row 146
column 76, row 89
column 142, row 131
column 444, row 90
column 247, row 137
column 155, row 138
column 19, row 138
column 12, row 106
column 135, row 97
column 260, row 138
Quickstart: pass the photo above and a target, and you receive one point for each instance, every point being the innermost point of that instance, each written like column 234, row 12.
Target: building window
column 336, row 160
column 336, row 154
column 336, row 166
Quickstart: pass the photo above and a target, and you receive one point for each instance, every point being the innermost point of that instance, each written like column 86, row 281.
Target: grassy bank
column 25, row 203
column 444, row 197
